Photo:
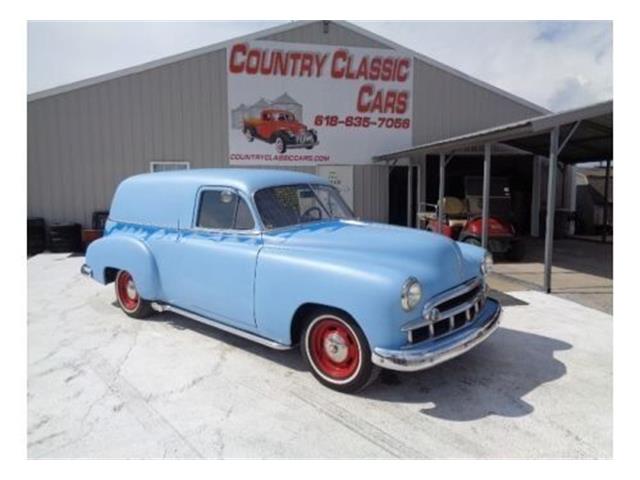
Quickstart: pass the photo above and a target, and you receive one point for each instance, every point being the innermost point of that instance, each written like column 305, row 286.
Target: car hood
column 410, row 252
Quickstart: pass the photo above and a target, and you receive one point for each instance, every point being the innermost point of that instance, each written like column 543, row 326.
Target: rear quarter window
column 223, row 210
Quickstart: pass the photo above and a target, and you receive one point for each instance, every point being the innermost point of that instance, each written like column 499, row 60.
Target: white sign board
column 299, row 104
column 341, row 177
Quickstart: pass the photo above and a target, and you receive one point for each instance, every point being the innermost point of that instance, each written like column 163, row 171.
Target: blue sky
column 558, row 65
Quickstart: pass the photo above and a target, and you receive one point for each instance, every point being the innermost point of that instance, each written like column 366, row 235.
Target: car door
column 281, row 123
column 218, row 257
column 265, row 127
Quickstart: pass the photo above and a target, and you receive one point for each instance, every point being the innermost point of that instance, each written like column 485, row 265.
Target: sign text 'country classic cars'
column 340, row 105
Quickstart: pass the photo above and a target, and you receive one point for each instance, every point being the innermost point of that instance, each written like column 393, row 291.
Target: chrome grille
column 455, row 309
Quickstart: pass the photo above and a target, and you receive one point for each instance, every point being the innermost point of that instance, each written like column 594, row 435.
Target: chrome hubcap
column 131, row 289
column 336, row 347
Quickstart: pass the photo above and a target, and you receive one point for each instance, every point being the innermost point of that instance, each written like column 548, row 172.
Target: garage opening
column 511, row 181
column 556, row 144
column 403, row 195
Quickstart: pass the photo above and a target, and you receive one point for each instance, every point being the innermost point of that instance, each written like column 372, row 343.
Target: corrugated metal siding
column 445, row 105
column 81, row 144
column 371, row 192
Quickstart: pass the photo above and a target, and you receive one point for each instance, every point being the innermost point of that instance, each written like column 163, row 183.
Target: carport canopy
column 574, row 136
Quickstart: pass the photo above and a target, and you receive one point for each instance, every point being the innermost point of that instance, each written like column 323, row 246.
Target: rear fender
column 125, row 253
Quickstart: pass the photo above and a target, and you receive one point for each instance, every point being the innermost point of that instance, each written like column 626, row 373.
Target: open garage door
column 403, row 195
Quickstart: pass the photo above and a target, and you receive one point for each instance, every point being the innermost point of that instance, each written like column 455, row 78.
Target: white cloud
column 558, row 65
column 64, row 52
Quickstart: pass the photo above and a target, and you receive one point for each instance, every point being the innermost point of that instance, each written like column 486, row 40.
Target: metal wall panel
column 445, row 105
column 82, row 143
column 371, row 192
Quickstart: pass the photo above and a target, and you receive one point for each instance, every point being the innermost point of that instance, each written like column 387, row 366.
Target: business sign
column 298, row 104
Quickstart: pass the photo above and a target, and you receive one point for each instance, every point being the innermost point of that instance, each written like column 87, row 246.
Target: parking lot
column 103, row 385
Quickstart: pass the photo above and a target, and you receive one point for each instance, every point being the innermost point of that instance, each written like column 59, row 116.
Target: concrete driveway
column 582, row 271
column 103, row 385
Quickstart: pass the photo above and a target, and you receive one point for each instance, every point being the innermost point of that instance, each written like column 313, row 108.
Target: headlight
column 411, row 294
column 487, row 264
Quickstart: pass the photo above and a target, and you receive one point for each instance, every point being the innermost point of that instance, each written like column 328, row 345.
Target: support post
column 486, row 186
column 409, row 193
column 536, row 183
column 420, row 193
column 605, row 211
column 551, row 207
column 441, row 193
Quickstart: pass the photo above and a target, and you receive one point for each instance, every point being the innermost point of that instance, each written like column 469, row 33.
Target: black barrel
column 65, row 237
column 36, row 236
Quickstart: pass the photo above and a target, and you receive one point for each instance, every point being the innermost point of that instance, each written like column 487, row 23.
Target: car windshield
column 288, row 205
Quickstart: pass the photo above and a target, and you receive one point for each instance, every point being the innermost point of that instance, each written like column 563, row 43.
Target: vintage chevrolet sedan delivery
column 277, row 257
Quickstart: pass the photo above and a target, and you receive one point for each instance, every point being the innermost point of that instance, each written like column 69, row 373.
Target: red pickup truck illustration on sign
column 281, row 128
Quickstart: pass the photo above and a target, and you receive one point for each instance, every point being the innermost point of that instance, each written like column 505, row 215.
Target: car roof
column 247, row 180
column 168, row 198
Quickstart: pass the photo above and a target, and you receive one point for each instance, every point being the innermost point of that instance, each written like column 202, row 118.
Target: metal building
column 85, row 137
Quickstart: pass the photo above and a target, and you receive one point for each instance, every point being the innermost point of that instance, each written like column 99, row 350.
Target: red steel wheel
column 126, row 290
column 129, row 298
column 334, row 348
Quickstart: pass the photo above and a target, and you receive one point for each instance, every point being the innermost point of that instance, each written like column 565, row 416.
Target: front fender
column 473, row 257
column 287, row 279
column 125, row 253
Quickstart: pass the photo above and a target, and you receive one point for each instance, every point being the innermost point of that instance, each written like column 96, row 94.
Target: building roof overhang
column 588, row 132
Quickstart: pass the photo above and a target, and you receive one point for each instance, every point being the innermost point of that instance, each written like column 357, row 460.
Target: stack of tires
column 65, row 237
column 36, row 236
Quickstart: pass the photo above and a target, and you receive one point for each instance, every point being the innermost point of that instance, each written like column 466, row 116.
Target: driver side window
column 288, row 205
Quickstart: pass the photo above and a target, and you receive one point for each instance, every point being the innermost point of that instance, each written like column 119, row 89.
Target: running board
column 163, row 307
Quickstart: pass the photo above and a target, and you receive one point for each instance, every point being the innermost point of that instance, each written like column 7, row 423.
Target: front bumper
column 306, row 140
column 433, row 352
column 295, row 144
